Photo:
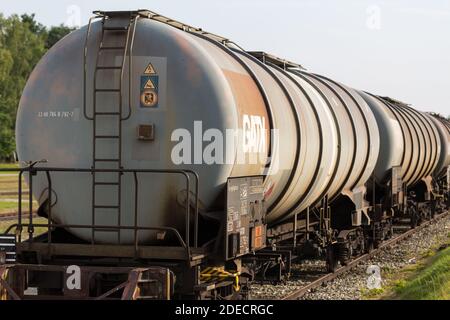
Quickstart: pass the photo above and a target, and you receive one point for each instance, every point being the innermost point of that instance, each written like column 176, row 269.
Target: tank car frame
column 220, row 268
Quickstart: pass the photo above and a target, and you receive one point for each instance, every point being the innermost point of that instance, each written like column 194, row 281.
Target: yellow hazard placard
column 149, row 84
column 150, row 69
column 149, row 91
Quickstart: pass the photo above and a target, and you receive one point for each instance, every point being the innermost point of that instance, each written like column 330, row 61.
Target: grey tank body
column 413, row 140
column 326, row 136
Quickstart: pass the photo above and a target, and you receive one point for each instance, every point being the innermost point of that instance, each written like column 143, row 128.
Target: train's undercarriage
column 56, row 265
column 346, row 236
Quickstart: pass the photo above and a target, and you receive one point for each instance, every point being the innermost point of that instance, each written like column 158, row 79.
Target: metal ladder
column 111, row 115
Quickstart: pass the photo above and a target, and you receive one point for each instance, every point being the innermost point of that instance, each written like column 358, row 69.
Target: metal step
column 106, row 230
column 112, row 48
column 105, row 207
column 109, row 68
column 107, row 90
column 106, row 183
column 106, row 160
column 107, row 113
column 147, row 281
column 115, row 28
column 147, row 298
column 106, row 137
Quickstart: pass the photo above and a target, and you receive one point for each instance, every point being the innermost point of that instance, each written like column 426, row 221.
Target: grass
column 430, row 282
column 12, row 206
column 8, row 202
column 371, row 293
column 427, row 279
column 8, row 166
column 8, row 183
column 4, row 225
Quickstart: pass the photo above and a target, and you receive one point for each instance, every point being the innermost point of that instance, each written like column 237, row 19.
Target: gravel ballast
column 352, row 285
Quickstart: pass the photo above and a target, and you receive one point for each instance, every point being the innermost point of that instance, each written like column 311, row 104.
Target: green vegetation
column 9, row 182
column 4, row 225
column 9, row 185
column 7, row 166
column 8, row 205
column 9, row 193
column 426, row 279
column 23, row 42
column 12, row 206
column 371, row 293
column 430, row 282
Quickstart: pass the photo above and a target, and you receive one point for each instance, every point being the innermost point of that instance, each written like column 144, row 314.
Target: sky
column 395, row 48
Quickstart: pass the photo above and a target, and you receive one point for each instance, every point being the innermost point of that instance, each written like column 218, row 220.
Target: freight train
column 172, row 163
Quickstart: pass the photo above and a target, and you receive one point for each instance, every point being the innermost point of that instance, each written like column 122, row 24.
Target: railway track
column 13, row 193
column 300, row 292
column 8, row 216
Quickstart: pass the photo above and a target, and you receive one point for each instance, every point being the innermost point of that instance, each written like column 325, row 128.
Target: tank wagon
column 170, row 162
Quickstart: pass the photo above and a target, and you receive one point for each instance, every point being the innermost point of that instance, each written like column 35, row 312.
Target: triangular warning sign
column 150, row 69
column 149, row 85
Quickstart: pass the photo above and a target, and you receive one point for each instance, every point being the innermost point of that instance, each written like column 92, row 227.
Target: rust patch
column 247, row 97
column 193, row 71
column 249, row 102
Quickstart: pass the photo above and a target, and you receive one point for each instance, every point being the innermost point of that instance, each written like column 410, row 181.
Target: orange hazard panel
column 258, row 231
column 258, row 242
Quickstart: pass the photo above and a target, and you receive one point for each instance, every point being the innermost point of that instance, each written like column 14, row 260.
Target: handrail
column 130, row 69
column 106, row 227
column 88, row 32
column 32, row 170
column 128, row 48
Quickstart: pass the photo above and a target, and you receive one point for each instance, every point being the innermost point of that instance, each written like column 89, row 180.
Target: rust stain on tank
column 249, row 102
column 247, row 96
column 193, row 70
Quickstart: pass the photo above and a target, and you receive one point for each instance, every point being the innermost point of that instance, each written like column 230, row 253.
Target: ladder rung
column 147, row 297
column 106, row 160
column 107, row 113
column 106, row 183
column 147, row 281
column 112, row 48
column 106, row 230
column 105, row 207
column 107, row 90
column 115, row 28
column 109, row 68
column 106, row 137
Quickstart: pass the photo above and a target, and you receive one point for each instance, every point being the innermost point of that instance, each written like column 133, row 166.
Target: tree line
column 23, row 42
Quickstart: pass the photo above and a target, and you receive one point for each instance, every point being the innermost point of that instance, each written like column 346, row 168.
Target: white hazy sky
column 395, row 47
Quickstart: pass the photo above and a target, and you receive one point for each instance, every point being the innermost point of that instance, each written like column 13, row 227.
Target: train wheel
column 369, row 246
column 390, row 228
column 432, row 209
column 331, row 259
column 376, row 243
column 414, row 217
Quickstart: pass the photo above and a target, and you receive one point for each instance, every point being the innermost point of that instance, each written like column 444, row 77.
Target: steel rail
column 10, row 216
column 331, row 276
